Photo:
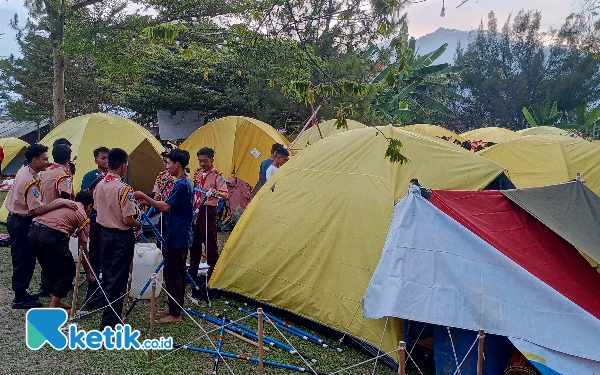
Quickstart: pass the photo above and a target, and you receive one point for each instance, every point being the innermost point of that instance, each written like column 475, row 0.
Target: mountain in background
column 431, row 42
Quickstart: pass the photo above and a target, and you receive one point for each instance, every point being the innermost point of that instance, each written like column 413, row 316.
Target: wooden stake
column 152, row 313
column 245, row 339
column 261, row 367
column 480, row 353
column 402, row 358
column 76, row 283
column 126, row 306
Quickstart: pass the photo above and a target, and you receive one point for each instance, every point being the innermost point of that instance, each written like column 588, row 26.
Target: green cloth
column 89, row 178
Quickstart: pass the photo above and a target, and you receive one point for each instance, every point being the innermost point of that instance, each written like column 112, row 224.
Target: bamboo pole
column 76, row 283
column 261, row 366
column 129, row 285
column 480, row 353
column 402, row 358
column 244, row 339
column 152, row 313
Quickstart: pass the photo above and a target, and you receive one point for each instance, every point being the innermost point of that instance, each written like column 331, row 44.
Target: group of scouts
column 44, row 213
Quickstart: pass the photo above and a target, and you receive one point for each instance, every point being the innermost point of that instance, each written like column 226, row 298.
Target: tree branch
column 85, row 3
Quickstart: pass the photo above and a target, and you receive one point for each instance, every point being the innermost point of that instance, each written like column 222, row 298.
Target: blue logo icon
column 43, row 326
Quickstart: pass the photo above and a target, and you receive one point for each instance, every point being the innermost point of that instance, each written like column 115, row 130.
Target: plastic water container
column 73, row 242
column 146, row 258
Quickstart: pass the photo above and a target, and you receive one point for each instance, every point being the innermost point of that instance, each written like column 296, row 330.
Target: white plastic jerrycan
column 73, row 243
column 146, row 258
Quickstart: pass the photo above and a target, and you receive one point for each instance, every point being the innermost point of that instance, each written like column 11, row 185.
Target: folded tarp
column 570, row 209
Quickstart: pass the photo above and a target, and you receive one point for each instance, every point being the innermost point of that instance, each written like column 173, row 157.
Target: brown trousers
column 175, row 275
column 205, row 232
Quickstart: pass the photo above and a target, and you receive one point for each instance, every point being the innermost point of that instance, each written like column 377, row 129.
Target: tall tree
column 520, row 66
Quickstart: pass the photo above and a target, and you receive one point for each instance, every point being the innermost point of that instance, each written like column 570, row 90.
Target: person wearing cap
column 180, row 205
column 116, row 212
column 208, row 179
column 49, row 237
column 90, row 180
column 57, row 181
column 24, row 201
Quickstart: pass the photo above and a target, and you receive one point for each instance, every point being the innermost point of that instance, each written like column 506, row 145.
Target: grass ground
column 16, row 358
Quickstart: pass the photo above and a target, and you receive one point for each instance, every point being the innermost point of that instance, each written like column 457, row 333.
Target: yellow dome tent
column 538, row 160
column 543, row 130
column 311, row 242
column 240, row 144
column 323, row 130
column 490, row 134
column 14, row 154
column 434, row 131
column 89, row 132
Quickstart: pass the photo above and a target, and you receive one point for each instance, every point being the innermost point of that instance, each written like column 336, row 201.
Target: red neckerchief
column 109, row 177
column 204, row 176
column 56, row 165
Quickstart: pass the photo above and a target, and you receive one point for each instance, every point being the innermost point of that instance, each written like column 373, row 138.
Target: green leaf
column 405, row 91
column 436, row 105
column 529, row 117
column 393, row 152
column 593, row 116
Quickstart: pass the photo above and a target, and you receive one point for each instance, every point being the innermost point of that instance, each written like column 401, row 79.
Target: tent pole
column 402, row 358
column 480, row 353
column 261, row 368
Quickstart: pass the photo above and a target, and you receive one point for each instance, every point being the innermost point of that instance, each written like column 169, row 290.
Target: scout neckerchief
column 205, row 176
column 127, row 194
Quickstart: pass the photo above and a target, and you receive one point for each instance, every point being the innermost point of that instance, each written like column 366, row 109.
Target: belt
column 37, row 223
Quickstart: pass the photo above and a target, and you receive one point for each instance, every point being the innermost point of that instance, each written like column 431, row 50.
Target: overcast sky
column 424, row 17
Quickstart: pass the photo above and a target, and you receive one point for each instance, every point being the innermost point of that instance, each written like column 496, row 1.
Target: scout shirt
column 113, row 200
column 209, row 180
column 67, row 220
column 56, row 180
column 163, row 179
column 26, row 193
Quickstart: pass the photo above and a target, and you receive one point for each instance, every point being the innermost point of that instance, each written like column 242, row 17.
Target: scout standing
column 94, row 296
column 49, row 238
column 24, row 200
column 208, row 179
column 57, row 181
column 180, row 205
column 113, row 201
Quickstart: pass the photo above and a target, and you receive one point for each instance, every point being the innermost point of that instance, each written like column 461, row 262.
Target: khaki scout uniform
column 113, row 200
column 49, row 237
column 24, row 197
column 205, row 230
column 57, row 182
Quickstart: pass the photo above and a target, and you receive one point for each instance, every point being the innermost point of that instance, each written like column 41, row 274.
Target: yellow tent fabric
column 235, row 139
column 435, row 131
column 12, row 147
column 543, row 130
column 311, row 243
column 490, row 134
column 313, row 134
column 538, row 160
column 89, row 132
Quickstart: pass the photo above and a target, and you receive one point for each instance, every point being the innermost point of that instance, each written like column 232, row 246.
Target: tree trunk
column 58, row 92
column 59, row 99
